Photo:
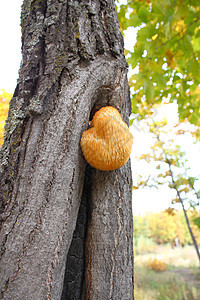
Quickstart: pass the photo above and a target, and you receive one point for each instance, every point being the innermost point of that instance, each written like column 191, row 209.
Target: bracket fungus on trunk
column 107, row 144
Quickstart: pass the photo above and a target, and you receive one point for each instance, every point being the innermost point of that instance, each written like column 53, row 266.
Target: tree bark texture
column 66, row 228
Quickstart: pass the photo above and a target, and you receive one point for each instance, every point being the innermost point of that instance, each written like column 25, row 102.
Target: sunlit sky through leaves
column 10, row 57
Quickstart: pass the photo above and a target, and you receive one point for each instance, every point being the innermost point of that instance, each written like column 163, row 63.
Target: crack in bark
column 90, row 270
column 4, row 216
column 4, row 289
column 119, row 80
column 115, row 86
column 3, row 248
column 72, row 182
column 117, row 236
column 12, row 278
column 19, row 164
column 89, row 273
column 66, row 136
column 55, row 261
column 73, row 286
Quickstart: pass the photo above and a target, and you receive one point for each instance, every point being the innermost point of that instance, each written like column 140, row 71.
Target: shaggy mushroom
column 107, row 144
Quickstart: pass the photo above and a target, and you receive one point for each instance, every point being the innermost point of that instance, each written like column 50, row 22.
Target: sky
column 10, row 57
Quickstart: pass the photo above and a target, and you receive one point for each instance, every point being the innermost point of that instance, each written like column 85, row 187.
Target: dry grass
column 180, row 281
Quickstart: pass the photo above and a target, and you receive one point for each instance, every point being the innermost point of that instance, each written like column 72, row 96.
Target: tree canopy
column 166, row 56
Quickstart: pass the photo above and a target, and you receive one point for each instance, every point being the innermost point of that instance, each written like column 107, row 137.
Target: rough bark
column 73, row 64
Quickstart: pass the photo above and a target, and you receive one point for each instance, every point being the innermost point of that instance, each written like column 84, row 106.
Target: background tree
column 155, row 228
column 53, row 206
column 172, row 171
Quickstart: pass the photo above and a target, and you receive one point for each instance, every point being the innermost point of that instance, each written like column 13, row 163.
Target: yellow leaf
column 180, row 27
column 4, row 106
column 154, row 37
column 170, row 59
column 134, row 188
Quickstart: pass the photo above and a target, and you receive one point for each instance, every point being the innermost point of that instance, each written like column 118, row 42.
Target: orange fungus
column 107, row 144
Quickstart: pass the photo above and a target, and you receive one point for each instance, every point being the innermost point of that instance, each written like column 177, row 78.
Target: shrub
column 156, row 265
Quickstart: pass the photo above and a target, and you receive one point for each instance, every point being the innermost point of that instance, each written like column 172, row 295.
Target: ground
column 189, row 276
column 180, row 280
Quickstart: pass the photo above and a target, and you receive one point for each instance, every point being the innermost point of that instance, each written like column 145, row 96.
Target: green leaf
column 139, row 81
column 160, row 80
column 190, row 16
column 187, row 43
column 142, row 13
column 139, row 48
column 196, row 44
column 157, row 8
column 147, row 32
column 195, row 68
column 197, row 221
column 156, row 67
column 134, row 105
column 133, row 60
column 149, row 90
column 134, row 20
column 194, row 118
column 131, row 122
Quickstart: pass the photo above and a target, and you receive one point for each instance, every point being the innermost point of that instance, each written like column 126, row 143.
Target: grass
column 180, row 281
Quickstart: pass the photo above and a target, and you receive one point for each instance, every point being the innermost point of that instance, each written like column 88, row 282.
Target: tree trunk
column 66, row 228
column 189, row 227
column 183, row 207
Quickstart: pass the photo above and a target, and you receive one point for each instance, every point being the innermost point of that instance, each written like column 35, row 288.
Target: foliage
column 168, row 163
column 143, row 245
column 162, row 228
column 4, row 106
column 172, row 163
column 171, row 171
column 140, row 226
column 156, row 265
column 166, row 54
